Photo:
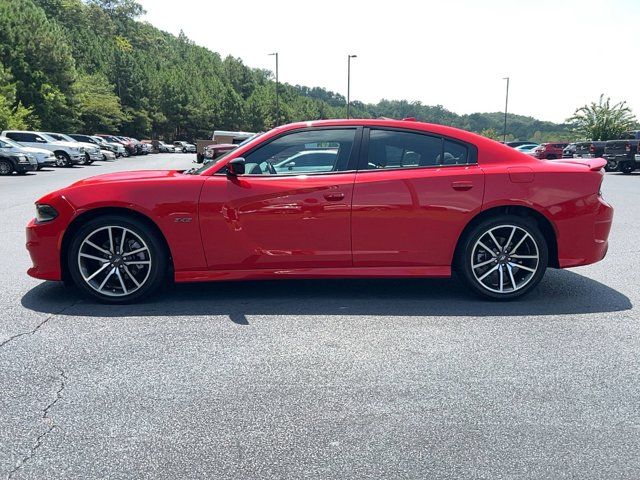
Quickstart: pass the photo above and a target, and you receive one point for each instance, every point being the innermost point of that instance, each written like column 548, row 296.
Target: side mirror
column 235, row 167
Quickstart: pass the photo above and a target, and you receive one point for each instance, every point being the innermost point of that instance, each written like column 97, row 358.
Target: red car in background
column 326, row 199
column 550, row 151
column 216, row 150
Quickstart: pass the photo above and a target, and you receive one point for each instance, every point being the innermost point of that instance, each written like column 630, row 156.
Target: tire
column 139, row 277
column 63, row 159
column 611, row 166
column 6, row 168
column 490, row 284
column 627, row 168
column 87, row 160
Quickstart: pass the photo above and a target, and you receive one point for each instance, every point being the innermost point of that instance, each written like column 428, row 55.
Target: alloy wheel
column 505, row 259
column 114, row 261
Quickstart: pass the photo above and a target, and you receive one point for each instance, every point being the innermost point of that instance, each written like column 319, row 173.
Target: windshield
column 208, row 162
column 10, row 142
column 63, row 137
column 48, row 137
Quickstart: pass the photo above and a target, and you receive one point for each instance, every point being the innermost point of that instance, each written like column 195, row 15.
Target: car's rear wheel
column 117, row 259
column 5, row 167
column 87, row 159
column 503, row 257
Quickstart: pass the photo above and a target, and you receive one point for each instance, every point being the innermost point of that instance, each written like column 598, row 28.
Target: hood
column 137, row 175
column 66, row 144
column 36, row 151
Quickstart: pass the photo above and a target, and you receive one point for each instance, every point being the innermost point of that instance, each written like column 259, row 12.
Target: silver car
column 43, row 158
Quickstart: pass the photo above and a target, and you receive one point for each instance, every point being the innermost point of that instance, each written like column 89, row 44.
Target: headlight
column 22, row 159
column 45, row 213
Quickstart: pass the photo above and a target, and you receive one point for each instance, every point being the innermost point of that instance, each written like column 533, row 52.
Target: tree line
column 69, row 65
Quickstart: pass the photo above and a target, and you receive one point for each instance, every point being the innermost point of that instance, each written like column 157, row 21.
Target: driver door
column 291, row 208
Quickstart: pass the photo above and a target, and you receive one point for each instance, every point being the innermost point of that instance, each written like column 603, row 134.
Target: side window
column 15, row 136
column 311, row 151
column 393, row 149
column 455, row 153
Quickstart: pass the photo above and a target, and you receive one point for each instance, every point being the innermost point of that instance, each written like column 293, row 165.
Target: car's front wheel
column 5, row 167
column 503, row 258
column 63, row 160
column 117, row 259
column 627, row 168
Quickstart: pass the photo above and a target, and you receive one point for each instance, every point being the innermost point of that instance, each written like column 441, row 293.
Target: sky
column 558, row 54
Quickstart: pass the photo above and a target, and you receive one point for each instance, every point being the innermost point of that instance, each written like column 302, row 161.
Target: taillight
column 628, row 147
column 592, row 149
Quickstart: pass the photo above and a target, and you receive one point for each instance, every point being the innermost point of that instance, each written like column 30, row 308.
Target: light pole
column 349, row 57
column 506, row 106
column 277, row 88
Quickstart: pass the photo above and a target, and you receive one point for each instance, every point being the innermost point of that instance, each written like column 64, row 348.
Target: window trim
column 352, row 162
column 364, row 150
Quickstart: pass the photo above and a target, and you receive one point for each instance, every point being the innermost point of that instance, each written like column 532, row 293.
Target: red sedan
column 338, row 198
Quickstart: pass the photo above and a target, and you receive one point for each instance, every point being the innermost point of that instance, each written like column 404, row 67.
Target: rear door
column 413, row 195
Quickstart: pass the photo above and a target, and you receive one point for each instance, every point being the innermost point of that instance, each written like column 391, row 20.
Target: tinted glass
column 392, row 149
column 455, row 153
column 313, row 151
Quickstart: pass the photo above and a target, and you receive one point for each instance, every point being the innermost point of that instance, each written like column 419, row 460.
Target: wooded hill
column 68, row 65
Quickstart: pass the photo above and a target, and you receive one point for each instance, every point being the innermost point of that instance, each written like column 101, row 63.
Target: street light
column 349, row 57
column 277, row 88
column 506, row 106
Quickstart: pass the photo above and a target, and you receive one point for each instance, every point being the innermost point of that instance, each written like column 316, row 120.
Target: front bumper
column 42, row 244
column 26, row 167
column 77, row 158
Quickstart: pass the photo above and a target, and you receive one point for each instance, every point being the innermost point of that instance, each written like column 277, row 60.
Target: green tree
column 97, row 105
column 602, row 121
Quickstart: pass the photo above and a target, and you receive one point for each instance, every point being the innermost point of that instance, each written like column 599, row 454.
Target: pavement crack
column 38, row 326
column 47, row 419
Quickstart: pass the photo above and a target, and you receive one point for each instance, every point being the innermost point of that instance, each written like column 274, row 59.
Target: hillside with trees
column 69, row 65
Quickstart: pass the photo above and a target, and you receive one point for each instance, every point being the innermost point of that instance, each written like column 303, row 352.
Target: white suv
column 91, row 151
column 66, row 153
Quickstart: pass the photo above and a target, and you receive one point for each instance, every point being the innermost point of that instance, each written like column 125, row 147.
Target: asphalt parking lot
column 320, row 379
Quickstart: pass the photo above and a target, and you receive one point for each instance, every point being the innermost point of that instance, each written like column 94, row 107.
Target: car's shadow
column 561, row 292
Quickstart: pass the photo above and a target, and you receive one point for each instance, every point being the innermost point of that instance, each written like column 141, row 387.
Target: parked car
column 166, row 148
column 20, row 163
column 213, row 151
column 622, row 152
column 44, row 158
column 593, row 149
column 569, row 150
column 527, row 147
column 67, row 153
column 420, row 200
column 129, row 147
column 91, row 151
column 518, row 143
column 116, row 147
column 106, row 151
column 184, row 147
column 549, row 151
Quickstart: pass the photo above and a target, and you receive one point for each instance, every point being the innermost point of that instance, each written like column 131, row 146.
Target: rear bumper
column 588, row 240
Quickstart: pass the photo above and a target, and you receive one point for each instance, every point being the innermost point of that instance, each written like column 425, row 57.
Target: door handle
column 334, row 197
column 462, row 185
